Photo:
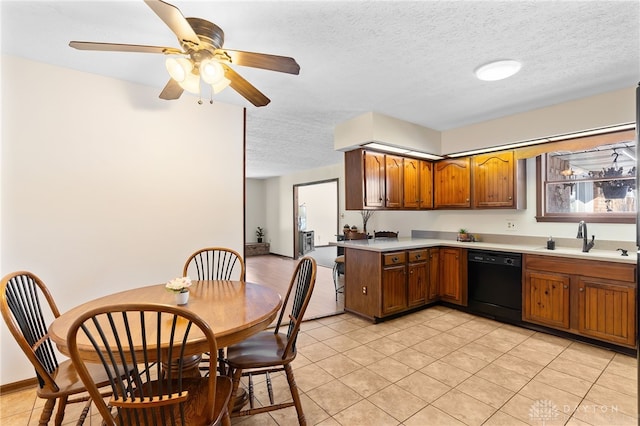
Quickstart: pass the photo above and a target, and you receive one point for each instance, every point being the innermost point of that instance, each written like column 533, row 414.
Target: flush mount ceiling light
column 498, row 70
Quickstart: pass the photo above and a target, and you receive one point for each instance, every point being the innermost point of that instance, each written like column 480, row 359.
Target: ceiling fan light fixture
column 179, row 68
column 220, row 85
column 211, row 71
column 191, row 83
column 498, row 70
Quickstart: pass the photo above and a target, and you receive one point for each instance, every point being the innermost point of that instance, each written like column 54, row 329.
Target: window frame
column 574, row 145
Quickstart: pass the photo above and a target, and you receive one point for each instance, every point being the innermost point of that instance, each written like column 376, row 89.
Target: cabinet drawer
column 418, row 255
column 394, row 258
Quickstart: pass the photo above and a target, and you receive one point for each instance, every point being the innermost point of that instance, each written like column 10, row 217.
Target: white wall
column 279, row 204
column 255, row 209
column 321, row 204
column 606, row 109
column 105, row 187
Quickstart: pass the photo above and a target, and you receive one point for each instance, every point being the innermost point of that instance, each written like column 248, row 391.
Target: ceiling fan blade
column 115, row 47
column 245, row 88
column 172, row 90
column 175, row 20
column 264, row 61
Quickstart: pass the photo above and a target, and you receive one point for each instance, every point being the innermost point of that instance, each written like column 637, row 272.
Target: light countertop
column 393, row 244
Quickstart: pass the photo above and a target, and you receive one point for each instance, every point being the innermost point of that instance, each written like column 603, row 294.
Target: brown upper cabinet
column 498, row 179
column 418, row 184
column 452, row 183
column 393, row 181
column 376, row 180
column 364, row 180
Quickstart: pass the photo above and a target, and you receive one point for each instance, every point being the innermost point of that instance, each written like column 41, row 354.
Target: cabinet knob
column 418, row 256
column 411, row 272
column 581, row 289
column 510, row 198
column 467, row 199
column 566, row 286
column 394, row 259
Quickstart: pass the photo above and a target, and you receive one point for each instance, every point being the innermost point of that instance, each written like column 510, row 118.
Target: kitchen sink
column 577, row 252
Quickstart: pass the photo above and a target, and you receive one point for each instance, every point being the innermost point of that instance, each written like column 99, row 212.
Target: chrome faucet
column 582, row 233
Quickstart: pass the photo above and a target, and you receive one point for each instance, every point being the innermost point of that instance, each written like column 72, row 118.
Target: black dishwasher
column 495, row 284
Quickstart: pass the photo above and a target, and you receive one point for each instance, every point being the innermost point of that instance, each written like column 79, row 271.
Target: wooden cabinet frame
column 591, row 298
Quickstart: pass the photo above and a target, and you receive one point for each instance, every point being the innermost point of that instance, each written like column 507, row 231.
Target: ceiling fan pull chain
column 211, row 92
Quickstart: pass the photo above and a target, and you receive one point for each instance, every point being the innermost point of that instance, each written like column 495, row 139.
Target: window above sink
column 590, row 181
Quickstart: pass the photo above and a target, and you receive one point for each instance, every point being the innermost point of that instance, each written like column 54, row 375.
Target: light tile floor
column 438, row 366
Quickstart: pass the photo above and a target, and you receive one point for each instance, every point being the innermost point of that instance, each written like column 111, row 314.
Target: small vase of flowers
column 180, row 287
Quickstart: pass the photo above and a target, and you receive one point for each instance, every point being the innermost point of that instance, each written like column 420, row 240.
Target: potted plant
column 366, row 215
column 259, row 233
column 463, row 235
column 180, row 287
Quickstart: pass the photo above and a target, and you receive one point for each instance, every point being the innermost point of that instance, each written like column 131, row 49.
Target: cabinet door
column 493, row 178
column 417, row 283
column 451, row 275
column 452, row 180
column 411, row 186
column 374, row 179
column 434, row 274
column 426, row 184
column 394, row 289
column 393, row 179
column 606, row 310
column 546, row 297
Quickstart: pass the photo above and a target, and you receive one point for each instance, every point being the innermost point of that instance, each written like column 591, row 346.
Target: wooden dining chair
column 385, row 234
column 338, row 264
column 26, row 305
column 128, row 335
column 271, row 351
column 215, row 263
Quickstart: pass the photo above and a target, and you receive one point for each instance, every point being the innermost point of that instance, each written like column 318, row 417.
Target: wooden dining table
column 234, row 310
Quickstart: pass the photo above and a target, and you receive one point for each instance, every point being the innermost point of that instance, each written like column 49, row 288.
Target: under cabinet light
column 592, row 132
column 424, row 155
column 387, row 148
column 498, row 148
column 398, row 150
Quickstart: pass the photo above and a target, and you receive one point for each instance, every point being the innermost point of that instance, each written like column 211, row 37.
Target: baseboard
column 18, row 386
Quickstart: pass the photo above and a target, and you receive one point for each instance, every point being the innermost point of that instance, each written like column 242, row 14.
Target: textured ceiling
column 410, row 60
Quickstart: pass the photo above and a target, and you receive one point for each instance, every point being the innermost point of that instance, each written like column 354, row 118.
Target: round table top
column 234, row 310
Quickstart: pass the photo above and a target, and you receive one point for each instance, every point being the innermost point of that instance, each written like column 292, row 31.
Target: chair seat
column 264, row 349
column 69, row 382
column 198, row 392
column 340, row 259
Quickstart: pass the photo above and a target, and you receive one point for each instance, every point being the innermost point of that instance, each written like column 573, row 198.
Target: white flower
column 179, row 285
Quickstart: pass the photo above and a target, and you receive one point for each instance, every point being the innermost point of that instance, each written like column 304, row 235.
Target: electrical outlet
column 511, row 225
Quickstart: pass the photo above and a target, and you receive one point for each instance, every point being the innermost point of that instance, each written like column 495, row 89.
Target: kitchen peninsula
column 590, row 295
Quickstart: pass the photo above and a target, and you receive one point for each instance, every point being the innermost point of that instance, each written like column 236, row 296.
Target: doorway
column 315, row 215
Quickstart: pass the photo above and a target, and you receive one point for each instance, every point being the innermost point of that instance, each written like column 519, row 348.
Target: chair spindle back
column 215, row 263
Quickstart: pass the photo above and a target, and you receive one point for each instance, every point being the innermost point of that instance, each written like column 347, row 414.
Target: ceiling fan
column 201, row 57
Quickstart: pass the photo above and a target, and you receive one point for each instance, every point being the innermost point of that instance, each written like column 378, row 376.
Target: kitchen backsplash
column 526, row 240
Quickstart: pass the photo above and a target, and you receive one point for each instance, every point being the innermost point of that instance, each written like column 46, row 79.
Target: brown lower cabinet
column 453, row 281
column 590, row 298
column 594, row 299
column 379, row 285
